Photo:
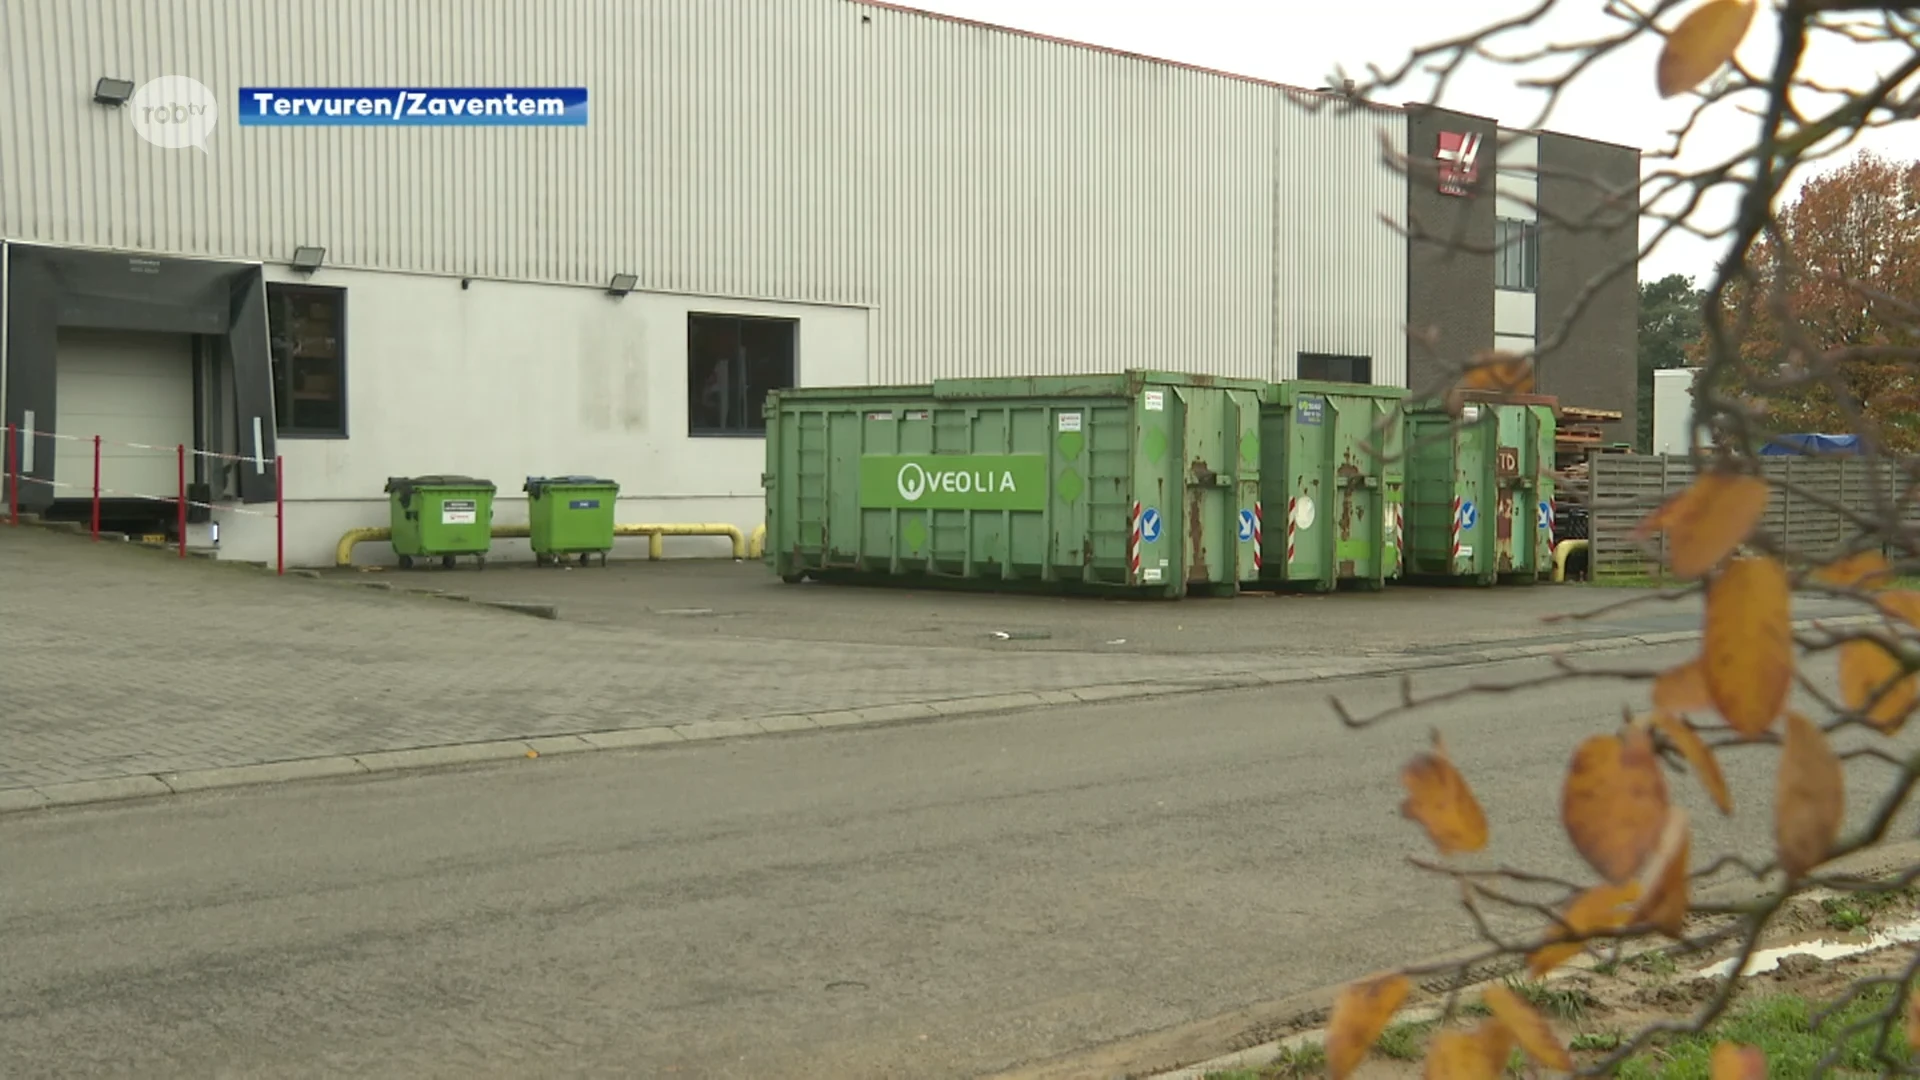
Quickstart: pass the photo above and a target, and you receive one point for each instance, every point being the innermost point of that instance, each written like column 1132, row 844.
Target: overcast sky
column 1300, row 42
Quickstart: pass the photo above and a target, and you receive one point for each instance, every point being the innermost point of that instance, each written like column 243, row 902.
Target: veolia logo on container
column 953, row 481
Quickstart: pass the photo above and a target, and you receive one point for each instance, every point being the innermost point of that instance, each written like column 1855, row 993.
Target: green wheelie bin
column 441, row 517
column 569, row 516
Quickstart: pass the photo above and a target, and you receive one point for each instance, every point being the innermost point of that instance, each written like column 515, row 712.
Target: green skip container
column 1332, row 477
column 570, row 516
column 441, row 517
column 1480, row 491
column 1141, row 482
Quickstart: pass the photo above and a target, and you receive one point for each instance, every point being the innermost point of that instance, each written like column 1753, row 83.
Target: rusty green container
column 1480, row 489
column 1140, row 482
column 1331, row 471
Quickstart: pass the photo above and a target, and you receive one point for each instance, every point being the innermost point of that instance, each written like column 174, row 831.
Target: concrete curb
column 142, row 786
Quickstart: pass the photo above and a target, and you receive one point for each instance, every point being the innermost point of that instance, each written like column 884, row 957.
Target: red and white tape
column 1456, row 527
column 1133, row 545
column 1293, row 508
column 1399, row 537
column 1258, row 537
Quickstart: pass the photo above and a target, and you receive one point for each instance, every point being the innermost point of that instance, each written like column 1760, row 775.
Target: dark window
column 1323, row 367
column 732, row 361
column 307, row 326
column 1516, row 255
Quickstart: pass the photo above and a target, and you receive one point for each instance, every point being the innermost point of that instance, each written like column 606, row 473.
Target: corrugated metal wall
column 1006, row 204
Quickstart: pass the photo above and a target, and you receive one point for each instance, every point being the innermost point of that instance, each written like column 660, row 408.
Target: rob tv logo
column 174, row 112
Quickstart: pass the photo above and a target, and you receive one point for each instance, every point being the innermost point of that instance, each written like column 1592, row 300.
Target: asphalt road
column 929, row 901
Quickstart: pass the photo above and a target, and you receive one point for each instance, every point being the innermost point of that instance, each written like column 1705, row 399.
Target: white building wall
column 505, row 381
column 1005, row 203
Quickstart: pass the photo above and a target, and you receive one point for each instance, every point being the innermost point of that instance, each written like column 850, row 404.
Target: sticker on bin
column 879, row 416
column 1151, row 573
column 459, row 512
column 1069, row 421
column 1469, row 515
column 1246, row 526
column 1310, row 410
column 583, row 504
column 918, row 414
column 1156, row 401
column 1546, row 515
column 1150, row 526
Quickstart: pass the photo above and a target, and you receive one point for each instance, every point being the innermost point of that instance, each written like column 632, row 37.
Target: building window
column 307, row 329
column 1325, row 367
column 1516, row 255
column 732, row 362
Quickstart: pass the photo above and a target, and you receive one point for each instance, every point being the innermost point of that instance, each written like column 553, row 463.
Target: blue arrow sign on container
column 1546, row 515
column 1469, row 517
column 1246, row 526
column 1150, row 526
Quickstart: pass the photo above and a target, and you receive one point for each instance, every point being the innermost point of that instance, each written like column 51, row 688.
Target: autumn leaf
column 1871, row 674
column 1707, row 521
column 1699, row 757
column 1683, row 689
column 1748, row 648
column 1810, row 800
column 1500, row 372
column 1665, row 902
column 1702, row 42
column 1903, row 605
column 1734, row 1062
column 1527, row 1026
column 1479, row 1054
column 1440, row 800
column 1613, row 803
column 1360, row 1014
column 1864, row 570
column 1601, row 908
column 1913, row 1019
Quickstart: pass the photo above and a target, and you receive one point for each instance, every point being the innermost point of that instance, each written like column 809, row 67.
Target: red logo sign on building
column 1459, row 158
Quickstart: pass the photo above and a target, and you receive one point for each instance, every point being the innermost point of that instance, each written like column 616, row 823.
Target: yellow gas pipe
column 655, row 534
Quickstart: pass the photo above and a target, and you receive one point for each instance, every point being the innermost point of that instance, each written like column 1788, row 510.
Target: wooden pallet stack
column 1578, row 433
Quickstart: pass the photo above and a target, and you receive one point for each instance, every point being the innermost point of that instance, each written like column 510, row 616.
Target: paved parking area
column 117, row 661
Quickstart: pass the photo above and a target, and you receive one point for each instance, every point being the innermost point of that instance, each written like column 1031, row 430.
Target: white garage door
column 126, row 387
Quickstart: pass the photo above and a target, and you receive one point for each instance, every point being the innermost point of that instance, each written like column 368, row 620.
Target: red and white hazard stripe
column 1133, row 545
column 1293, row 507
column 1456, row 528
column 1399, row 526
column 1258, row 537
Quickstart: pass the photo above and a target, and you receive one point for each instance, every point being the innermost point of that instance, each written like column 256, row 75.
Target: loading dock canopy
column 50, row 287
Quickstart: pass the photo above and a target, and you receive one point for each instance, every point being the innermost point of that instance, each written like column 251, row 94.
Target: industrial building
column 763, row 193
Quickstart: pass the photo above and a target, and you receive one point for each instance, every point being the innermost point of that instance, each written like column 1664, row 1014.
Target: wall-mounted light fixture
column 114, row 92
column 622, row 284
column 308, row 259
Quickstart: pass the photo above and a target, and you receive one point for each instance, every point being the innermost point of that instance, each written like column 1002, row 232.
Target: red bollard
column 180, row 452
column 279, row 514
column 96, row 488
column 13, row 453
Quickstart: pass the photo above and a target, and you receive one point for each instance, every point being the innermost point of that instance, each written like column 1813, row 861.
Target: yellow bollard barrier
column 1562, row 551
column 655, row 534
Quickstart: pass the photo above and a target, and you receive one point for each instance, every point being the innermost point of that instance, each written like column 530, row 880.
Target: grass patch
column 1781, row 1026
column 1404, row 1041
column 1561, row 1003
column 1294, row 1063
column 1656, row 962
column 1859, row 910
column 1596, row 1041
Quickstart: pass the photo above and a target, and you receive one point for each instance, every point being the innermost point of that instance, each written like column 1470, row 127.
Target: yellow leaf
column 1903, row 605
column 1699, row 755
column 1869, row 673
column 1665, row 902
column 1702, row 42
column 1748, row 647
column 1440, row 800
column 1810, row 798
column 1683, row 689
column 1864, row 570
column 1360, row 1014
column 1613, row 803
column 1734, row 1062
column 1913, row 1019
column 1527, row 1026
column 1479, row 1054
column 1707, row 521
column 1499, row 372
column 1601, row 908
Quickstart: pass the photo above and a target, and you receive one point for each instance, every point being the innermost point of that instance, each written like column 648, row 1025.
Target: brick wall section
column 1449, row 290
column 1582, row 238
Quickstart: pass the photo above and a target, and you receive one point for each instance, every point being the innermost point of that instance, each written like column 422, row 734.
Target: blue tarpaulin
column 1781, row 445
